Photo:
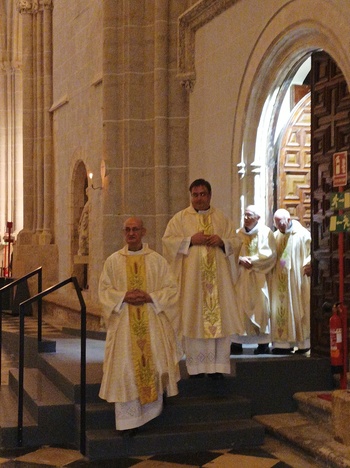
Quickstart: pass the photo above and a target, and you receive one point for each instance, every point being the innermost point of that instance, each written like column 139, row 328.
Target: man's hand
column 137, row 297
column 204, row 239
column 199, row 238
column 215, row 241
column 307, row 270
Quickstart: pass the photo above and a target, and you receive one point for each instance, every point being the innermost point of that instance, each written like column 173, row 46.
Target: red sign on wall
column 340, row 169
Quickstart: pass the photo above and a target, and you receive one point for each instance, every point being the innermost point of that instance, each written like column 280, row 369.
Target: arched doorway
column 318, row 127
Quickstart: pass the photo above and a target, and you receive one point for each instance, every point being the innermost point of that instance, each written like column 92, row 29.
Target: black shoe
column 262, row 349
column 236, row 348
column 196, row 376
column 301, row 350
column 216, row 376
column 283, row 351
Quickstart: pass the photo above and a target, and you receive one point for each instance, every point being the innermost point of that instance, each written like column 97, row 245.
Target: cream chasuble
column 140, row 333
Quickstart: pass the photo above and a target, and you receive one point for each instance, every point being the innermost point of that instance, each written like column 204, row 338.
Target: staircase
column 310, row 429
column 207, row 414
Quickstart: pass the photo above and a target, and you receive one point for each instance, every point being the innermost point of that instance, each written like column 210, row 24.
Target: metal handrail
column 37, row 271
column 22, row 307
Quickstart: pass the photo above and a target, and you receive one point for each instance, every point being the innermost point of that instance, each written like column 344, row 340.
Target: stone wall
column 149, row 95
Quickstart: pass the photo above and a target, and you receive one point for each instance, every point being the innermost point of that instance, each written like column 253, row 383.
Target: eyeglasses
column 133, row 229
column 247, row 216
column 200, row 194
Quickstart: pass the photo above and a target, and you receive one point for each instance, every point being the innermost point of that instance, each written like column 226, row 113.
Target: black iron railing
column 8, row 288
column 22, row 308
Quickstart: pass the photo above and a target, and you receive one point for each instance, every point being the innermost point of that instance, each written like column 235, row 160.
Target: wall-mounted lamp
column 91, row 175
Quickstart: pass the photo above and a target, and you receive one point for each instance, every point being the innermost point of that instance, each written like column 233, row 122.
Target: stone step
column 63, row 368
column 309, row 436
column 316, row 405
column 108, row 443
column 47, row 405
column 9, row 421
column 176, row 410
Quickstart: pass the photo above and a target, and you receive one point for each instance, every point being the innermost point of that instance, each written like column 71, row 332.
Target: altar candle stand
column 8, row 238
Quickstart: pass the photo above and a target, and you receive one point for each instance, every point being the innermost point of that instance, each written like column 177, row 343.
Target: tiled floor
column 272, row 454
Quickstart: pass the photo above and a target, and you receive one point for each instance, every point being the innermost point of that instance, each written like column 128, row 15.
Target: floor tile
column 195, row 459
column 229, row 460
column 120, row 463
column 162, row 464
column 51, row 456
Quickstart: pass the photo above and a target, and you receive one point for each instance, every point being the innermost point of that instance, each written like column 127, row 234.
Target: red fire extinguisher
column 336, row 337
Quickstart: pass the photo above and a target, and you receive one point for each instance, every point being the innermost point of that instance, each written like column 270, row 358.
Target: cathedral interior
column 110, row 108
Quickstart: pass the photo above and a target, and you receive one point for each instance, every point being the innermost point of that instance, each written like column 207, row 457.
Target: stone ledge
column 316, row 405
column 312, row 438
column 63, row 310
column 341, row 416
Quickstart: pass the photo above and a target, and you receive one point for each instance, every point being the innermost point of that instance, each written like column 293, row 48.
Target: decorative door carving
column 293, row 189
column 330, row 133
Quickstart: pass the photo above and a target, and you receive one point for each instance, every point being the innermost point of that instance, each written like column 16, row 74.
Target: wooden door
column 293, row 187
column 330, row 133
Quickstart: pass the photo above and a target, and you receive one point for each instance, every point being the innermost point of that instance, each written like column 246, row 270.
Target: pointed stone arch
column 283, row 45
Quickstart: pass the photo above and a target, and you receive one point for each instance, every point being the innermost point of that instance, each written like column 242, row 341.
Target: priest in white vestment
column 202, row 247
column 290, row 286
column 142, row 352
column 257, row 257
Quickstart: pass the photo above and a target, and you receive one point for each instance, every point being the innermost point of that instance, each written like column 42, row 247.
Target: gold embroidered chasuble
column 140, row 333
column 250, row 245
column 283, row 266
column 211, row 307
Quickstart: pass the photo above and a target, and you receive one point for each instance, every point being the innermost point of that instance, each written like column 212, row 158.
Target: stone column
column 11, row 196
column 46, row 234
column 32, row 248
column 161, row 128
column 38, row 129
column 25, row 236
column 37, row 121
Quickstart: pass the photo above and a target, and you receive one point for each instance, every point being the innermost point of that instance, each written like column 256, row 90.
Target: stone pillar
column 37, row 121
column 33, row 249
column 161, row 120
column 46, row 234
column 11, row 187
column 25, row 236
column 113, row 102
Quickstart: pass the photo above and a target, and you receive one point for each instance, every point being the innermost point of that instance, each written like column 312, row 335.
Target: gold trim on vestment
column 250, row 244
column 283, row 262
column 211, row 308
column 140, row 334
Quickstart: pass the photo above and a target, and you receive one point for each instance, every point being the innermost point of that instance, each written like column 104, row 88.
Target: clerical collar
column 135, row 252
column 252, row 230
column 203, row 211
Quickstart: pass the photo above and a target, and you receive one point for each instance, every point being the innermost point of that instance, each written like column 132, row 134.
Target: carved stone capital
column 10, row 68
column 46, row 4
column 187, row 81
column 24, row 6
column 33, row 6
column 189, row 22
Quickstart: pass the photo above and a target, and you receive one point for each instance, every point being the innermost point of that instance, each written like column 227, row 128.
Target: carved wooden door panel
column 293, row 189
column 330, row 133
